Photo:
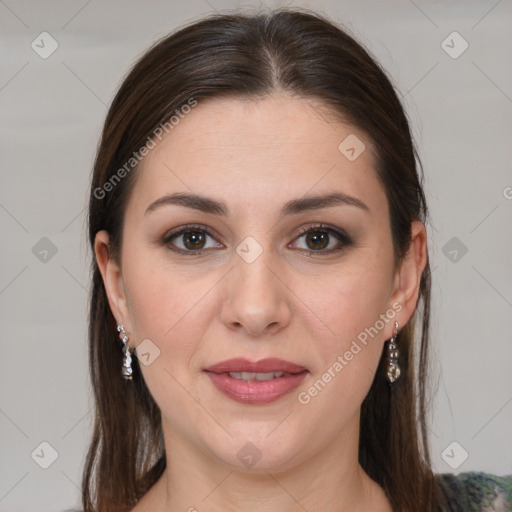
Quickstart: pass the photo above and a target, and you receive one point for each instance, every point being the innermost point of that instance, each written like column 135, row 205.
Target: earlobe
column 408, row 275
column 112, row 277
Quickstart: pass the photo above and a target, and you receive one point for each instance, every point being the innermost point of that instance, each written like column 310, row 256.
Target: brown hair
column 252, row 56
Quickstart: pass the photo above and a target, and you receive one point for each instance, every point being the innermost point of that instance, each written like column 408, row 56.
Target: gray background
column 52, row 111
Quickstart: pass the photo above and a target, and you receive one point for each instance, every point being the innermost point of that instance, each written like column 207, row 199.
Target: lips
column 258, row 382
column 263, row 366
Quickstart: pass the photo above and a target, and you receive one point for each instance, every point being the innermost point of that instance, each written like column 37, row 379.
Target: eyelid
column 320, row 227
column 343, row 238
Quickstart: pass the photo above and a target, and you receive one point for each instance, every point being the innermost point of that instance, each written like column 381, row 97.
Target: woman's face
column 277, row 244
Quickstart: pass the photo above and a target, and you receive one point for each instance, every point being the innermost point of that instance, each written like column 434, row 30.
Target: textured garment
column 477, row 492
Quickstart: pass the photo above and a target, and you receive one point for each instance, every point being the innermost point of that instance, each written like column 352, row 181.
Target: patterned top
column 477, row 492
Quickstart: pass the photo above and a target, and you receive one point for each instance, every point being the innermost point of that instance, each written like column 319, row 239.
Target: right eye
column 190, row 240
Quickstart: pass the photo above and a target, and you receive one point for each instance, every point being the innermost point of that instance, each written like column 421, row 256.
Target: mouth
column 258, row 382
column 269, row 365
column 256, row 376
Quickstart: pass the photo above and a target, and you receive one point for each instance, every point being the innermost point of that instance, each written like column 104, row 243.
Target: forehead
column 260, row 152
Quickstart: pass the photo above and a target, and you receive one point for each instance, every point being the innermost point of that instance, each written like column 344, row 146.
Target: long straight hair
column 252, row 56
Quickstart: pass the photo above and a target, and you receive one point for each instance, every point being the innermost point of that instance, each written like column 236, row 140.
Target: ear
column 406, row 287
column 112, row 279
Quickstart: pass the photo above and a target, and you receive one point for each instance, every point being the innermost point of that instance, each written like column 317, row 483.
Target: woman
column 258, row 224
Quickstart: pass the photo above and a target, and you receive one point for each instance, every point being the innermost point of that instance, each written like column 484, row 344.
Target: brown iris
column 317, row 240
column 193, row 240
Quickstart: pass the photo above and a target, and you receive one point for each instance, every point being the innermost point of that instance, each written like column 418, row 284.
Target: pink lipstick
column 258, row 382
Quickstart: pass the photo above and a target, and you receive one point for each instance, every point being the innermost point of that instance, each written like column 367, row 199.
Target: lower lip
column 256, row 392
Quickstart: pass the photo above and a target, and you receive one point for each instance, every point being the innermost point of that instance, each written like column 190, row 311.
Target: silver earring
column 393, row 371
column 126, row 371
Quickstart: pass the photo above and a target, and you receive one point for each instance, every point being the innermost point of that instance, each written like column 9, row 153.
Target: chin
column 257, row 451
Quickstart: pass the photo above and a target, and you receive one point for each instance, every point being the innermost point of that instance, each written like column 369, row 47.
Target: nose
column 256, row 298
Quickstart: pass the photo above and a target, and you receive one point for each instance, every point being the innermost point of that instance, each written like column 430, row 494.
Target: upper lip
column 263, row 366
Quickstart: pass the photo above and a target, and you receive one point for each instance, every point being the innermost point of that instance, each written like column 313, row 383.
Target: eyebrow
column 295, row 206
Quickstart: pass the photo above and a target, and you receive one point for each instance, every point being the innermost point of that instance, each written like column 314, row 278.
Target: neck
column 332, row 481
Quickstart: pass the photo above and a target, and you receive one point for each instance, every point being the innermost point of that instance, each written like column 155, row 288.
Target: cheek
column 352, row 311
column 173, row 310
column 156, row 295
column 169, row 305
column 352, row 298
column 348, row 355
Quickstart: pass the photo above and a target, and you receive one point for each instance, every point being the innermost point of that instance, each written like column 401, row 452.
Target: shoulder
column 476, row 492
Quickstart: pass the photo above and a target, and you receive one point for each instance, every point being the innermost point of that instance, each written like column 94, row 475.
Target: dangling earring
column 126, row 371
column 393, row 371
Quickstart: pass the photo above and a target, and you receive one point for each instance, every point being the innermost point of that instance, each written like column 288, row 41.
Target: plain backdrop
column 52, row 110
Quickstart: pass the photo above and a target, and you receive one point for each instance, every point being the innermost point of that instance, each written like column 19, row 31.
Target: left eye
column 322, row 239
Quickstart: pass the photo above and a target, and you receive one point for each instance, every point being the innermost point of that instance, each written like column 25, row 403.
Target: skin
column 202, row 309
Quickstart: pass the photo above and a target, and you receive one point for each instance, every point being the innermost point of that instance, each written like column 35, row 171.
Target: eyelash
column 340, row 235
column 343, row 239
